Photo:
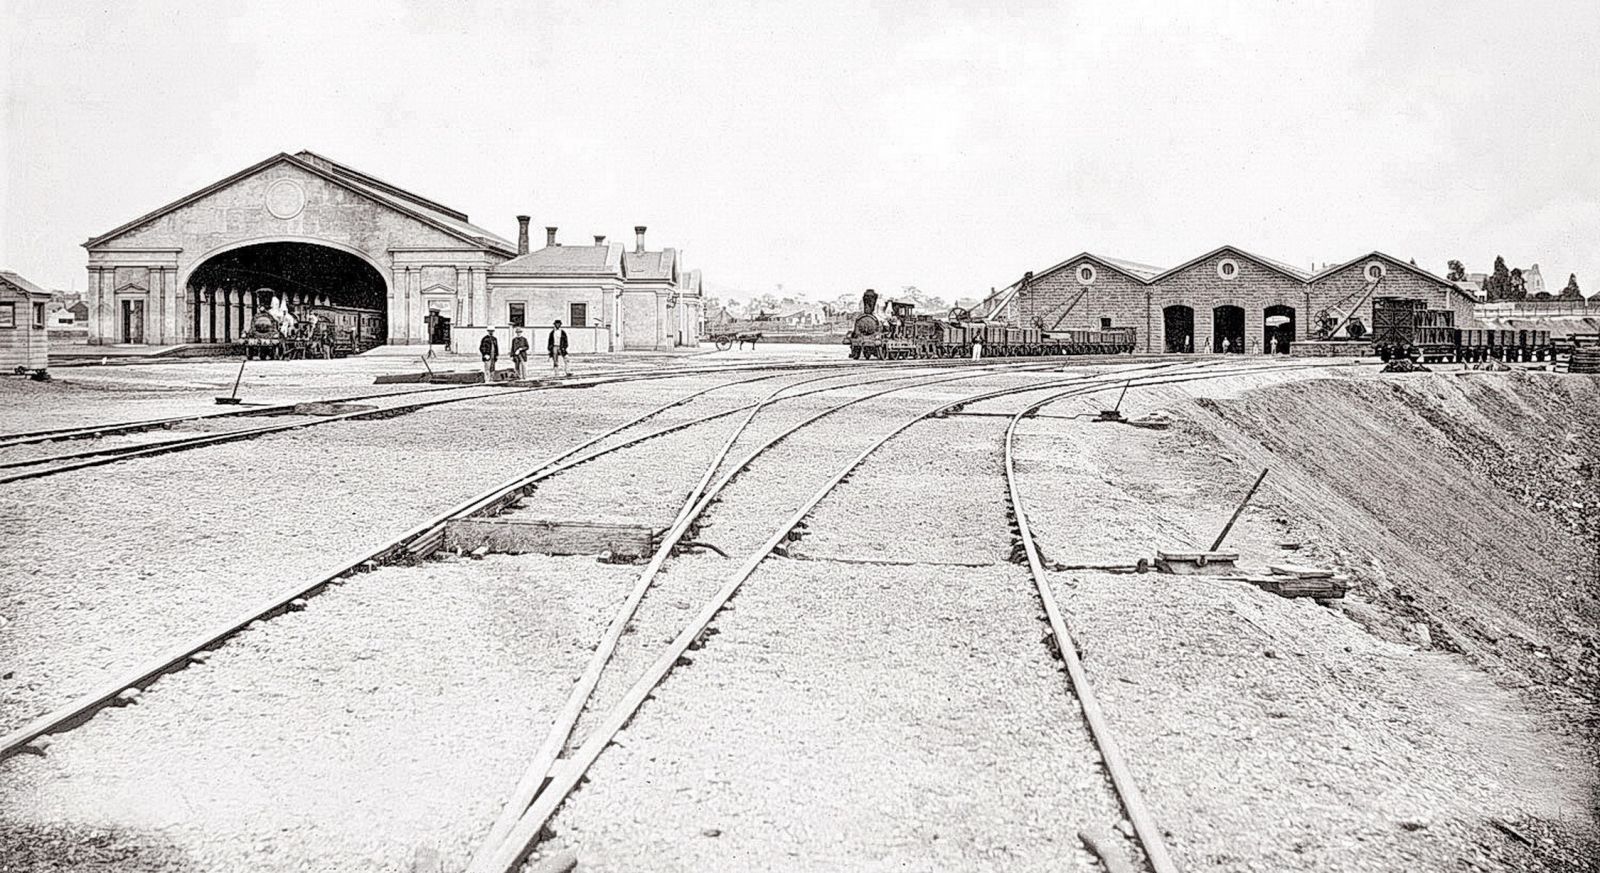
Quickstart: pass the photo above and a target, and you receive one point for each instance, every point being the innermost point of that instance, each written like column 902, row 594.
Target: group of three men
column 555, row 347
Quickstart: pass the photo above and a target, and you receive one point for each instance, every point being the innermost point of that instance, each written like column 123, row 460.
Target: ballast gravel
column 391, row 716
column 111, row 565
column 861, row 716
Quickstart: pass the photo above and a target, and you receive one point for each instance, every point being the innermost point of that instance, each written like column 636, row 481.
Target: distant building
column 608, row 298
column 24, row 339
column 1225, row 299
column 1533, row 282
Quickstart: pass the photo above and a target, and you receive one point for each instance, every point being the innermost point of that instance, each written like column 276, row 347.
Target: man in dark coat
column 519, row 355
column 556, row 346
column 489, row 350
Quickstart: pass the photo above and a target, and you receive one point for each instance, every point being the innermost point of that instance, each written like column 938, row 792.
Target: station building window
column 578, row 314
column 1374, row 271
column 1086, row 274
column 1228, row 268
column 8, row 315
column 1105, row 323
column 517, row 314
column 38, row 315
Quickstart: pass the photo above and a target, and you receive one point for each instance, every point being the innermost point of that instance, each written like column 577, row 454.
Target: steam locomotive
column 902, row 334
column 315, row 332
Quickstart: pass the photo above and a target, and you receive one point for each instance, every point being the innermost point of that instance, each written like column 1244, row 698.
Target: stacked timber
column 1295, row 580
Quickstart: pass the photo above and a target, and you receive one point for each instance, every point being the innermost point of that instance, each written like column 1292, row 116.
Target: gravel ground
column 114, row 564
column 906, row 718
column 1272, row 734
column 327, row 739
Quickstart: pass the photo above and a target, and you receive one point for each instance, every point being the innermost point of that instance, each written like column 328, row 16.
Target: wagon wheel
column 723, row 344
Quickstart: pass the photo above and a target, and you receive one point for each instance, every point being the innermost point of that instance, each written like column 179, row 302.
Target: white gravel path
column 860, row 717
column 110, row 565
column 392, row 714
column 1270, row 734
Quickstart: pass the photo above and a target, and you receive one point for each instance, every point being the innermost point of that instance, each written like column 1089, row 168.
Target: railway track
column 416, row 545
column 357, row 408
column 551, row 778
column 419, row 543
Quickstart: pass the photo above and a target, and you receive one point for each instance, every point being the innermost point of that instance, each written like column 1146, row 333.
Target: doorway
column 133, row 321
column 1177, row 321
column 438, row 329
column 1277, row 329
column 1227, row 329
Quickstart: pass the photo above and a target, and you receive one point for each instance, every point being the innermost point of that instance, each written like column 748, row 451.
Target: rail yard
column 786, row 610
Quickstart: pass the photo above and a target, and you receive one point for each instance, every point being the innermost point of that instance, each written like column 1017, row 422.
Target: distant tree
column 1571, row 292
column 1458, row 272
column 1498, row 285
column 847, row 303
column 1519, row 285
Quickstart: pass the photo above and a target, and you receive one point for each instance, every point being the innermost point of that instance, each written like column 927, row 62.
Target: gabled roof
column 1391, row 259
column 650, row 265
column 603, row 260
column 1394, row 261
column 1280, row 267
column 426, row 211
column 22, row 284
column 1134, row 270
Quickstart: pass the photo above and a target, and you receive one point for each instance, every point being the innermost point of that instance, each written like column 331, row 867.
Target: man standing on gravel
column 519, row 355
column 489, row 350
column 556, row 346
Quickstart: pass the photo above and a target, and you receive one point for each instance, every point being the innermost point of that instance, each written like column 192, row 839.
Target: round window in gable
column 1374, row 271
column 1086, row 274
column 1228, row 268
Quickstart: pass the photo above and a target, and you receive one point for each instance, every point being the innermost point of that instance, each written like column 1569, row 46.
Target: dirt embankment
column 1465, row 508
column 1469, row 503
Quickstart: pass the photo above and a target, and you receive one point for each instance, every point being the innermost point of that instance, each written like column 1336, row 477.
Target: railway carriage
column 318, row 332
column 904, row 334
column 1404, row 327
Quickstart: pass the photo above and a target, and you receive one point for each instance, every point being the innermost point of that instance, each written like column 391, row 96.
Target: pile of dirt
column 1465, row 507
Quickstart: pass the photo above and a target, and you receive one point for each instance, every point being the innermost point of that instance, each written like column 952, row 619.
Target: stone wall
column 1105, row 293
column 282, row 202
column 1202, row 287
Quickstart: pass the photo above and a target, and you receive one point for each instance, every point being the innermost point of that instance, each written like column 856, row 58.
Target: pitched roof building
column 1227, row 299
column 311, row 230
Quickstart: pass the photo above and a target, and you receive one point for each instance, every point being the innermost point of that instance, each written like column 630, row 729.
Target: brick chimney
column 638, row 232
column 599, row 239
column 549, row 236
column 522, row 234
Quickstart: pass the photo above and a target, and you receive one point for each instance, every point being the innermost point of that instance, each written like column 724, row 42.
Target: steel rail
column 559, row 783
column 8, row 440
column 101, row 457
column 84, row 706
column 537, row 774
column 509, row 853
column 416, row 543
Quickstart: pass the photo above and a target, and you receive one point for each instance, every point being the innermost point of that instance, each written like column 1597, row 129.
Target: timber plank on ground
column 514, row 536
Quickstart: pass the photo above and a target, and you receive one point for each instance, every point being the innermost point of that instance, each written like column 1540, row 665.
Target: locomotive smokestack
column 549, row 236
column 638, row 232
column 599, row 239
column 522, row 234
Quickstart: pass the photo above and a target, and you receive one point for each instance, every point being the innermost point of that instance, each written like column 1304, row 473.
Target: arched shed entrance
column 225, row 291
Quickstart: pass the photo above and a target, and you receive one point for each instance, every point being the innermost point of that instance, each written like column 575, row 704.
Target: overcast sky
column 834, row 146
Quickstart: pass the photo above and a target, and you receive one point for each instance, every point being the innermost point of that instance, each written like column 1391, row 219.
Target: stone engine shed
column 1226, row 299
column 310, row 230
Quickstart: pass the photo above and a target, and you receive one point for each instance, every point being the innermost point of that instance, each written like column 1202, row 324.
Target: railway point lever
column 1242, row 504
column 233, row 399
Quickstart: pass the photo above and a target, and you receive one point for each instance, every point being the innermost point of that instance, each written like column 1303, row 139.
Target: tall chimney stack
column 639, row 233
column 549, row 236
column 599, row 239
column 522, row 234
